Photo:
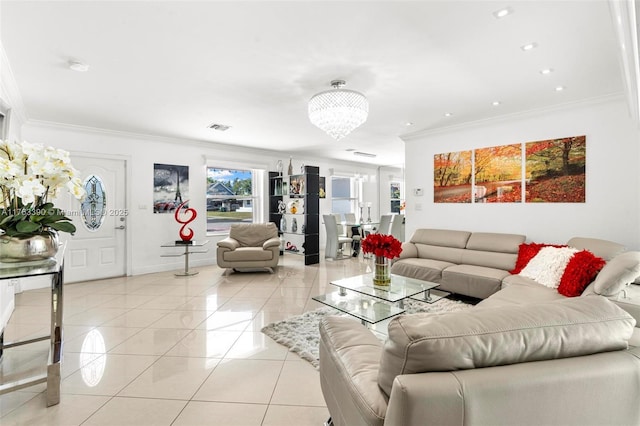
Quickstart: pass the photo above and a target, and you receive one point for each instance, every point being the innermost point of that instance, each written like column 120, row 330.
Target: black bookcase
column 298, row 196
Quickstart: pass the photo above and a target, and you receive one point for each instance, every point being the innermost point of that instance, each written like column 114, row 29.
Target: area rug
column 301, row 335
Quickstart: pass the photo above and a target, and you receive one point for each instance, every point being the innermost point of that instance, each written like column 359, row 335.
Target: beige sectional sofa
column 525, row 355
column 558, row 363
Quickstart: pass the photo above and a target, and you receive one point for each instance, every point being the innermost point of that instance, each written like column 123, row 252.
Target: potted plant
column 31, row 176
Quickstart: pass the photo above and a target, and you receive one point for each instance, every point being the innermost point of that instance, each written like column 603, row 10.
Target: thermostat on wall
column 418, row 192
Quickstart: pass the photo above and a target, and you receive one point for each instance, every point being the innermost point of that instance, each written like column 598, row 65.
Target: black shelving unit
column 300, row 222
column 276, row 191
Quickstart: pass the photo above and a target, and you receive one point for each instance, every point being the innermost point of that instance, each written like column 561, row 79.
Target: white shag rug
column 301, row 335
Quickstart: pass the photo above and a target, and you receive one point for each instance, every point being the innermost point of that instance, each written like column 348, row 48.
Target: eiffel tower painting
column 170, row 187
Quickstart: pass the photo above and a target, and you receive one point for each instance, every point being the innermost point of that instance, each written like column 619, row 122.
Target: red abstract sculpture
column 185, row 236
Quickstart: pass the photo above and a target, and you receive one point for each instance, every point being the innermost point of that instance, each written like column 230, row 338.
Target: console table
column 54, row 268
column 188, row 249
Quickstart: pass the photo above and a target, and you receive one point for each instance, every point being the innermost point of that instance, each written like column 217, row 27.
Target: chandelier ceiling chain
column 339, row 111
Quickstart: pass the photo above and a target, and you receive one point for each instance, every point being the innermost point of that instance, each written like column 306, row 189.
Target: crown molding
column 229, row 149
column 515, row 116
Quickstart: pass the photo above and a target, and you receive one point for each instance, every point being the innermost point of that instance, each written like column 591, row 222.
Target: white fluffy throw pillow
column 548, row 265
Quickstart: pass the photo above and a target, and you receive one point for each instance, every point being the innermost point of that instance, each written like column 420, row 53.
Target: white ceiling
column 171, row 68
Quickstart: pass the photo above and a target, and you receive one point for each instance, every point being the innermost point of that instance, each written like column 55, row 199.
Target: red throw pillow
column 580, row 271
column 526, row 252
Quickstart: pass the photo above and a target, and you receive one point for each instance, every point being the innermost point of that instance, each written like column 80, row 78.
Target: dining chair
column 333, row 248
column 397, row 227
column 350, row 218
column 341, row 230
column 385, row 223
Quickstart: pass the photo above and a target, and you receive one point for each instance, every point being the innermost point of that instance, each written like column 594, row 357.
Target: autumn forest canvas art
column 549, row 171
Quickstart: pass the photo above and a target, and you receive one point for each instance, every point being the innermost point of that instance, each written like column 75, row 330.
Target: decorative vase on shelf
column 381, row 276
column 28, row 248
column 290, row 169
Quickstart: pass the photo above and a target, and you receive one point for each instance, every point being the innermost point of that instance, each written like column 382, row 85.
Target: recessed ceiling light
column 502, row 12
column 496, row 103
column 546, row 71
column 448, row 114
column 559, row 88
column 529, row 46
column 408, row 123
column 78, row 66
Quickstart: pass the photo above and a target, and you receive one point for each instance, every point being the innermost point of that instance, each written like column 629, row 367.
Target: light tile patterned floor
column 163, row 350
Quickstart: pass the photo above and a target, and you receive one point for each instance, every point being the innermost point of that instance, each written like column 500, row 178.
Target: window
column 343, row 195
column 230, row 198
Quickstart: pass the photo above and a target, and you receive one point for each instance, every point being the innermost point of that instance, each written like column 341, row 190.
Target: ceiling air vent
column 364, row 154
column 220, row 127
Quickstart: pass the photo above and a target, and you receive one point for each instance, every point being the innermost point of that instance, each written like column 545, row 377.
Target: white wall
column 611, row 210
column 147, row 231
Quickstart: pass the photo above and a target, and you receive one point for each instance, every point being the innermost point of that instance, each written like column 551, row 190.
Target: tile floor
column 163, row 350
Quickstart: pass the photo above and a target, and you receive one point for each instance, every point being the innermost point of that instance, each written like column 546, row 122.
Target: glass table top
column 368, row 309
column 399, row 289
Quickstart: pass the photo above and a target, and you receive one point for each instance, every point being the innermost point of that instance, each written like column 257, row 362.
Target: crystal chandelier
column 338, row 112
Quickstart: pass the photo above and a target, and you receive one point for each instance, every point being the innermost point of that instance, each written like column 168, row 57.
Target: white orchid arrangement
column 31, row 175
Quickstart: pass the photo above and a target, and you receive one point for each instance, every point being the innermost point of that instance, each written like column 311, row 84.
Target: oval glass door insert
column 94, row 206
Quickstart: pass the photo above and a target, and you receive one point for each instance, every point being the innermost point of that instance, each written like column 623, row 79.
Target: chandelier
column 338, row 112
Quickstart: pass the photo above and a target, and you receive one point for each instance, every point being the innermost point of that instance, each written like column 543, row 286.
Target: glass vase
column 381, row 274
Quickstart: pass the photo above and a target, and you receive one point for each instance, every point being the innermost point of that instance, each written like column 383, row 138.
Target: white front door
column 98, row 248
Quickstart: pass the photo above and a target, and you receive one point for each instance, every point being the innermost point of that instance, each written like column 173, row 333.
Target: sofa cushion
column 501, row 243
column 441, row 237
column 511, row 334
column 601, row 248
column 243, row 254
column 490, row 259
column 471, row 280
column 580, row 271
column 618, row 272
column 253, row 234
column 528, row 251
column 420, row 269
column 548, row 265
column 517, row 290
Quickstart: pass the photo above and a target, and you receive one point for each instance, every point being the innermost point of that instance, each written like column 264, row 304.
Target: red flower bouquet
column 381, row 245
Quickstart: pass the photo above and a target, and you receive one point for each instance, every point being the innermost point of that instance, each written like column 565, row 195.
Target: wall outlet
column 418, row 192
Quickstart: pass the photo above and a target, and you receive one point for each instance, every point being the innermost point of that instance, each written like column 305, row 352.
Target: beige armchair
column 254, row 245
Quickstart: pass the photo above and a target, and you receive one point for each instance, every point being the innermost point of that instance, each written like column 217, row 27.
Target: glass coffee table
column 371, row 304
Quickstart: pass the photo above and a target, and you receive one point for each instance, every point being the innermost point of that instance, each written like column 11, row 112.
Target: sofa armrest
column 271, row 242
column 349, row 361
column 427, row 398
column 409, row 249
column 229, row 243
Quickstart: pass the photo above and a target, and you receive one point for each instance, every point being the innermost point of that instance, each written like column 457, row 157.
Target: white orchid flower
column 76, row 189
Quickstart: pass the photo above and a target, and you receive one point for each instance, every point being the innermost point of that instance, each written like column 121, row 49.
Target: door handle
column 120, row 227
